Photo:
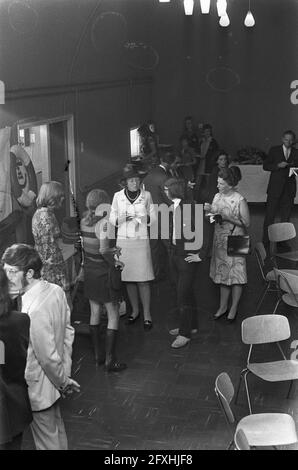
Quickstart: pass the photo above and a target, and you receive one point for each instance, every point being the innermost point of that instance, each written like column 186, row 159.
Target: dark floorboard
column 165, row 399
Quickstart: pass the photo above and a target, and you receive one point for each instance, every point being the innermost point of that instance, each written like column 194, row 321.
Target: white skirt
column 136, row 256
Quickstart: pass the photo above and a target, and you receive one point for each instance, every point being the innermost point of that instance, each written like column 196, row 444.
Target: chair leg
column 230, row 445
column 247, row 391
column 276, row 306
column 280, row 348
column 239, row 385
column 290, row 389
column 261, row 298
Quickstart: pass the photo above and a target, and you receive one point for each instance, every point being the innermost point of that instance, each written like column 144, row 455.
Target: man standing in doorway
column 281, row 189
column 48, row 366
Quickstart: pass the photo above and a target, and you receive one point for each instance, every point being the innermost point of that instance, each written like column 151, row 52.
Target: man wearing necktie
column 281, row 189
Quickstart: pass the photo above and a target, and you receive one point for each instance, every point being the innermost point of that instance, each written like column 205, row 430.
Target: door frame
column 69, row 119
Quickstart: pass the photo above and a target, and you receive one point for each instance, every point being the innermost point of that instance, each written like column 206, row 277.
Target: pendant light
column 224, row 21
column 249, row 19
column 188, row 7
column 221, row 6
column 205, row 6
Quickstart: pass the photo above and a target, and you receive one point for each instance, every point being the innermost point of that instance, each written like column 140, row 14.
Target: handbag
column 239, row 245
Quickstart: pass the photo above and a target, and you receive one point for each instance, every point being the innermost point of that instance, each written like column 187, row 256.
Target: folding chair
column 287, row 283
column 240, row 440
column 262, row 429
column 269, row 278
column 263, row 329
column 281, row 232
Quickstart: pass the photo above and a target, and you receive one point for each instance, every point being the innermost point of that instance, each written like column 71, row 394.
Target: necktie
column 287, row 153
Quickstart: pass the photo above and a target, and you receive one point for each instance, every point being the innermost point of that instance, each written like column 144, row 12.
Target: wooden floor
column 165, row 399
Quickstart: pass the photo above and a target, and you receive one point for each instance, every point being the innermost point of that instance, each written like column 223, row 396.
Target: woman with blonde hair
column 46, row 233
column 99, row 258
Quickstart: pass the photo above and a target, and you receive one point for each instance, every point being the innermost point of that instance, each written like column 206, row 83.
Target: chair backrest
column 281, row 232
column 261, row 255
column 241, row 441
column 262, row 329
column 287, row 281
column 224, row 390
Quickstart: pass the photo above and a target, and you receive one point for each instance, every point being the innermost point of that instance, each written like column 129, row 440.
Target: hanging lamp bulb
column 221, row 6
column 205, row 6
column 188, row 7
column 249, row 20
column 224, row 21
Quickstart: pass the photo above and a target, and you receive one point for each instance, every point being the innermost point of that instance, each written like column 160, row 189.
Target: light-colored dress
column 132, row 236
column 46, row 232
column 224, row 269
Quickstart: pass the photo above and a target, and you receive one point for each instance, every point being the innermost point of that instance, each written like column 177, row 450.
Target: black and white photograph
column 148, row 227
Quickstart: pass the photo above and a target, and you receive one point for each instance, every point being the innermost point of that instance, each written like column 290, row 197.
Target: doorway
column 50, row 144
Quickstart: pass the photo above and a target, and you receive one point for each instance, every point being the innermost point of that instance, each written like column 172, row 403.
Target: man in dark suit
column 154, row 183
column 281, row 189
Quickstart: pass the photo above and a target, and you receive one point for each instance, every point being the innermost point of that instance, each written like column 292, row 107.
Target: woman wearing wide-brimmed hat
column 132, row 212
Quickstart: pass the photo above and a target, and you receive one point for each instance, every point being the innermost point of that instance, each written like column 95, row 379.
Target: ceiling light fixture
column 221, row 6
column 164, row 1
column 224, row 21
column 188, row 7
column 249, row 19
column 205, row 6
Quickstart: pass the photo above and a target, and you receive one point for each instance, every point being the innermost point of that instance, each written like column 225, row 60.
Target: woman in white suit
column 132, row 212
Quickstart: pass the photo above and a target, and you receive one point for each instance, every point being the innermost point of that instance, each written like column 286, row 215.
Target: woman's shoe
column 231, row 318
column 216, row 316
column 148, row 325
column 131, row 319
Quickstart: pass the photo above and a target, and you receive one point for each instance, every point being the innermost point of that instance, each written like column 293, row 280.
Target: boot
column 111, row 364
column 97, row 338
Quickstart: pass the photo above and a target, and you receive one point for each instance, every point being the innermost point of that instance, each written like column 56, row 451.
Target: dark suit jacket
column 211, row 155
column 188, row 221
column 154, row 183
column 280, row 176
column 15, row 409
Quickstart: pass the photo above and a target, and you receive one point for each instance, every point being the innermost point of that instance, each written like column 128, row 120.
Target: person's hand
column 124, row 218
column 282, row 165
column 71, row 386
column 117, row 250
column 207, row 207
column 119, row 265
column 193, row 258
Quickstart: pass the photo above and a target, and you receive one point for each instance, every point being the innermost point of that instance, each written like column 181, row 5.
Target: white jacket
column 50, row 346
column 140, row 209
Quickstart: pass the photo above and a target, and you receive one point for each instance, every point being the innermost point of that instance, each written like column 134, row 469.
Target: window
column 135, row 142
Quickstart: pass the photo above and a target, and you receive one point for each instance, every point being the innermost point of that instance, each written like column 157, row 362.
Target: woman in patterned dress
column 46, row 233
column 229, row 272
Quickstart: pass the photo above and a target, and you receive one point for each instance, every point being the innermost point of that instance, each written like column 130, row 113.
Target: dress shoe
column 130, row 320
column 148, row 325
column 180, row 342
column 115, row 366
column 216, row 316
column 232, row 318
column 175, row 331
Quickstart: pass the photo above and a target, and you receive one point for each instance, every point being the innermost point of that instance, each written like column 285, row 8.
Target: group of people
column 152, row 230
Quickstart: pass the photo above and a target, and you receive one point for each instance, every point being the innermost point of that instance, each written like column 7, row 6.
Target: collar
column 286, row 149
column 163, row 167
column 176, row 202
